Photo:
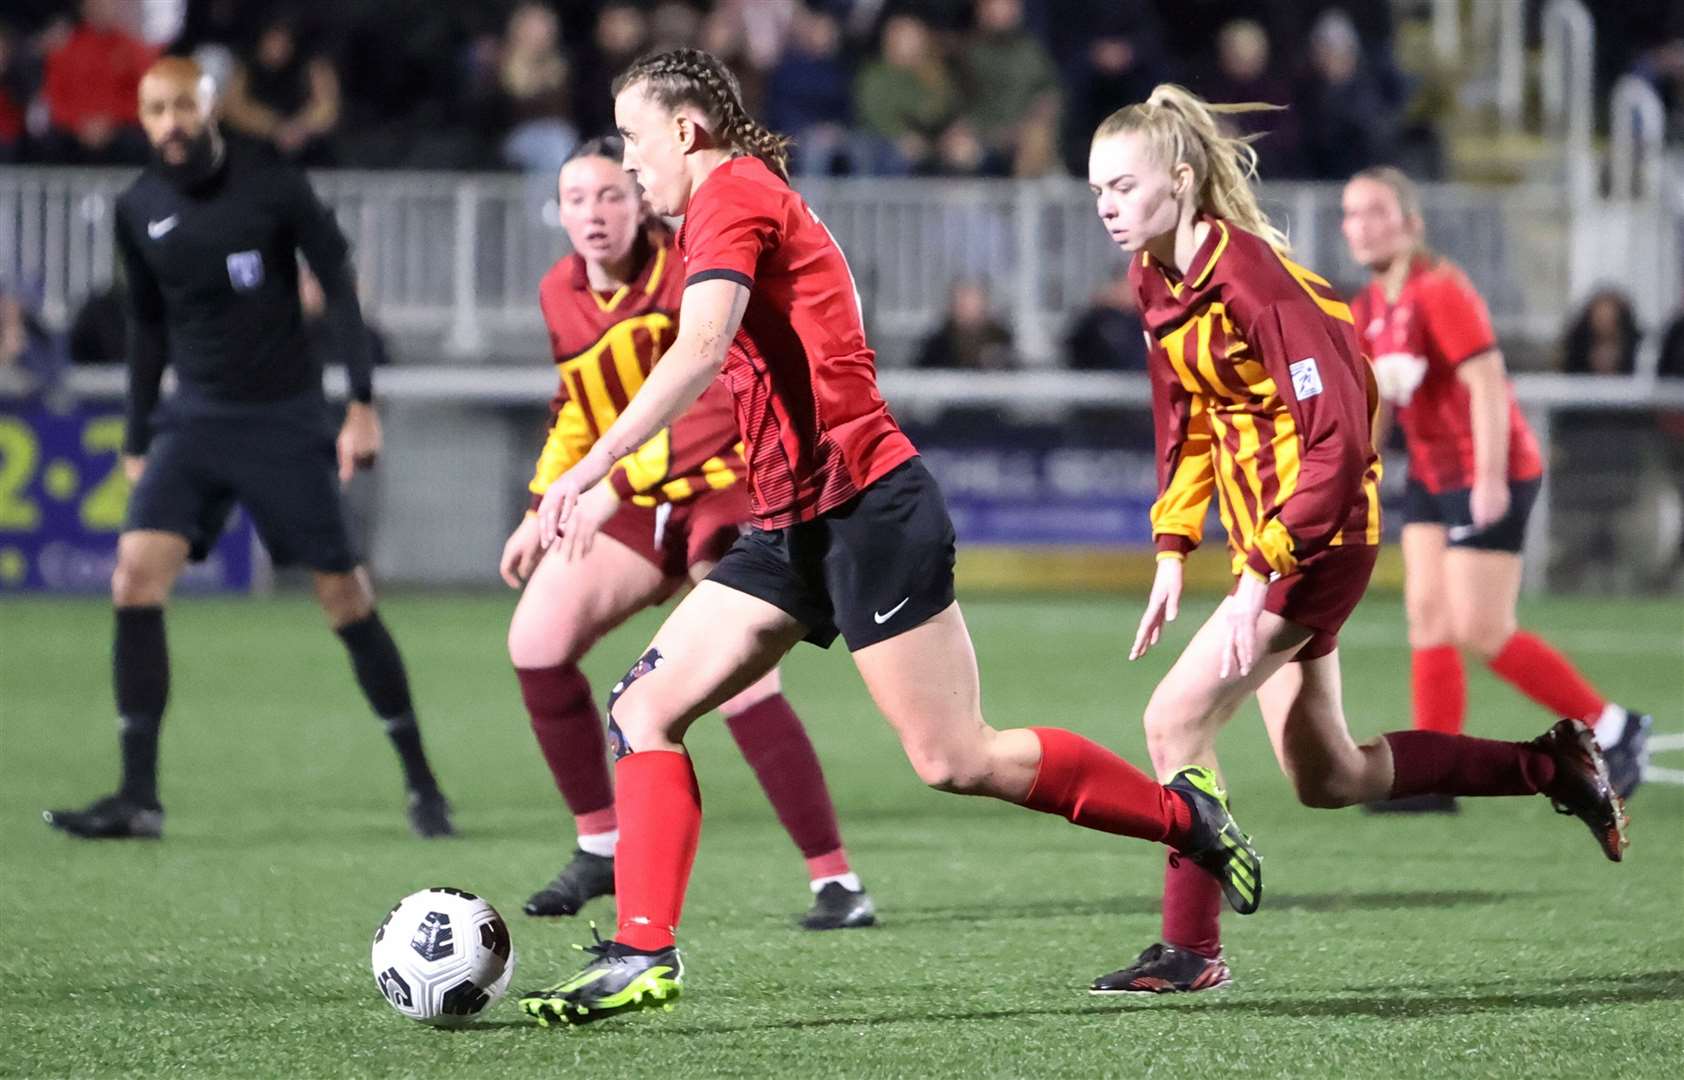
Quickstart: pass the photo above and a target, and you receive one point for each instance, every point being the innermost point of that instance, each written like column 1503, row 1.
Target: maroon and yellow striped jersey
column 604, row 347
column 1260, row 395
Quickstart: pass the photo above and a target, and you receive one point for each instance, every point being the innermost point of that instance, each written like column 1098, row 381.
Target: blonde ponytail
column 1183, row 127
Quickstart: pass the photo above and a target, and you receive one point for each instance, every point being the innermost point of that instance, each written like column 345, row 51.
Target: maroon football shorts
column 1322, row 593
column 673, row 537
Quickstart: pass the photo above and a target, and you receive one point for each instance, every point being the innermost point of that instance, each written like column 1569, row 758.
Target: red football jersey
column 815, row 428
column 1439, row 317
column 604, row 347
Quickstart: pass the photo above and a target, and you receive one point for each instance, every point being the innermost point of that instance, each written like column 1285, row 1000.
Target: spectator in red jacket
column 11, row 107
column 91, row 86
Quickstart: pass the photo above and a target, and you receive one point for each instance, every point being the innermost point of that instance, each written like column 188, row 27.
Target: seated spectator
column 1603, row 339
column 621, row 35
column 809, row 95
column 1012, row 89
column 1345, row 124
column 31, row 358
column 1662, row 66
column 970, row 337
column 906, row 98
column 91, row 85
column 97, row 331
column 674, row 24
column 960, row 151
column 1115, row 58
column 12, row 101
column 1109, row 335
column 1243, row 74
column 285, row 95
column 533, row 79
column 1672, row 349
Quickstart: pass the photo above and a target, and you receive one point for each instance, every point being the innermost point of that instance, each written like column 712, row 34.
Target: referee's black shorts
column 280, row 468
column 876, row 566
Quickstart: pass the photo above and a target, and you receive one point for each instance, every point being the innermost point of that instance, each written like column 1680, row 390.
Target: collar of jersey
column 648, row 277
column 1204, row 260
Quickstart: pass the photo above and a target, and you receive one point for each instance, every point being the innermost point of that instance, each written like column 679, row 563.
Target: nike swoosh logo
column 1462, row 532
column 884, row 616
column 156, row 229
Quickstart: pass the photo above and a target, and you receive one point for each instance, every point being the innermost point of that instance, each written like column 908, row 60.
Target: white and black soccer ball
column 443, row 956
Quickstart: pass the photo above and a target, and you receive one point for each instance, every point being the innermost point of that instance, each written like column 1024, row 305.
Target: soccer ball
column 443, row 956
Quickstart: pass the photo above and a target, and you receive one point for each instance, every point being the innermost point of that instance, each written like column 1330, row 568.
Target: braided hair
column 680, row 77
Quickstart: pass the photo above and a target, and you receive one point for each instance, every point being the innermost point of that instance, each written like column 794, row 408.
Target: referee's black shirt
column 213, row 288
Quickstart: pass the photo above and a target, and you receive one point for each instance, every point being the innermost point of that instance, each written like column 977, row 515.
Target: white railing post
column 1569, row 87
column 1511, row 64
column 467, row 336
column 1032, row 337
column 55, row 275
column 1447, row 31
column 1636, row 133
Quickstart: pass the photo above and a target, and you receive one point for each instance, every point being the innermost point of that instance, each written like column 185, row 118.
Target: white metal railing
column 1447, row 31
column 1567, row 85
column 456, row 412
column 1636, row 140
column 459, row 256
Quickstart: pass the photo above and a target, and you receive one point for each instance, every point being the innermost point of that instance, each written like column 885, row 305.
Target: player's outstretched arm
column 707, row 321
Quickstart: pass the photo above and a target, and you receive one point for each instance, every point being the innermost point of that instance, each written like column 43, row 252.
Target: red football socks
column 1432, row 763
column 1090, row 786
column 1533, row 667
column 777, row 748
column 574, row 742
column 660, row 810
column 1192, row 907
column 1439, row 689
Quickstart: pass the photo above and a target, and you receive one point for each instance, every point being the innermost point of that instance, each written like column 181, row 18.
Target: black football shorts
column 874, row 567
column 1451, row 510
column 283, row 472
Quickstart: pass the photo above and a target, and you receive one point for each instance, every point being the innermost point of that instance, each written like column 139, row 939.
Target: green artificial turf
column 1496, row 943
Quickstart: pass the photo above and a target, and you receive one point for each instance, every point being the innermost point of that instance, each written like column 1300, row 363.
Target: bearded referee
column 209, row 235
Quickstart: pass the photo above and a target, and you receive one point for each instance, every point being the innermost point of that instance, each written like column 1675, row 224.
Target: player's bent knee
column 1167, row 741
column 634, row 723
column 1327, row 788
column 957, row 776
column 1485, row 637
column 1429, row 626
column 135, row 584
column 344, row 598
column 532, row 645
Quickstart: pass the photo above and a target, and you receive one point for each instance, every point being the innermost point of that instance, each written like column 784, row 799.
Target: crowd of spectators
column 877, row 87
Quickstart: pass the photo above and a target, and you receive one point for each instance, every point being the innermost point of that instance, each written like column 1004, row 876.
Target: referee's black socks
column 140, row 668
column 380, row 673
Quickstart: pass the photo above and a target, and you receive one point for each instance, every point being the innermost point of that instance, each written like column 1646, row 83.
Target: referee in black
column 209, row 236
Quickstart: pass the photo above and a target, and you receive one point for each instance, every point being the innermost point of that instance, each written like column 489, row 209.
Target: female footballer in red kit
column 665, row 516
column 1262, row 398
column 850, row 537
column 1474, row 470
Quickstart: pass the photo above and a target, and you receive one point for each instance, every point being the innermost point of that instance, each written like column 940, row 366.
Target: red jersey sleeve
column 1455, row 316
column 728, row 230
column 1326, row 392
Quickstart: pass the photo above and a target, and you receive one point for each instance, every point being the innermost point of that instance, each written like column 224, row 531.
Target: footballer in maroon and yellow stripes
column 1262, row 399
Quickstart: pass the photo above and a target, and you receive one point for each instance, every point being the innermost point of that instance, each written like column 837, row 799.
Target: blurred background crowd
column 960, row 88
column 875, row 87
